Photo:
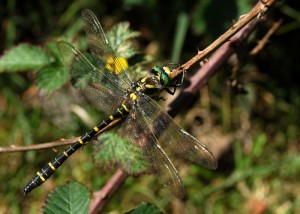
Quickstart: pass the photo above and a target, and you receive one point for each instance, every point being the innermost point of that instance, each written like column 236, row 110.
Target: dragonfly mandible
column 114, row 92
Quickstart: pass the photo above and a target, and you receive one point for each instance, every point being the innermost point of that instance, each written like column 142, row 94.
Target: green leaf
column 145, row 208
column 258, row 144
column 24, row 57
column 69, row 198
column 180, row 35
column 53, row 50
column 119, row 38
column 52, row 77
column 112, row 150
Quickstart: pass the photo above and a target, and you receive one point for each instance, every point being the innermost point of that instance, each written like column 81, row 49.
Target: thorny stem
column 219, row 58
column 257, row 11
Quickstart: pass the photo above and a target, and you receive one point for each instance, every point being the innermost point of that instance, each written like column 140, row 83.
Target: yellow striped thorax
column 153, row 84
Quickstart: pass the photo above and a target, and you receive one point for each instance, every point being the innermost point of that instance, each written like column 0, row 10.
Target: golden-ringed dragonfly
column 113, row 92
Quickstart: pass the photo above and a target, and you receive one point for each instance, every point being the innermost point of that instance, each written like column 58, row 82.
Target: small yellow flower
column 117, row 64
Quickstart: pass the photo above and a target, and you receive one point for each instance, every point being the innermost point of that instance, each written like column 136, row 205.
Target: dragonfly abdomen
column 42, row 175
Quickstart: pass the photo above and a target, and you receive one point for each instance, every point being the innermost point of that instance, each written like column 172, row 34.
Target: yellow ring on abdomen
column 41, row 177
column 52, row 167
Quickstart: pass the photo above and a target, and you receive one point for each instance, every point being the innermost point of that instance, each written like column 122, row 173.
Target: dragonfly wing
column 139, row 133
column 172, row 136
column 105, row 100
column 101, row 48
column 98, row 87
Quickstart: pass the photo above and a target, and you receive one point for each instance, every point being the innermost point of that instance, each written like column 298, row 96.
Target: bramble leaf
column 72, row 197
column 145, row 208
column 52, row 77
column 112, row 150
column 120, row 37
column 24, row 57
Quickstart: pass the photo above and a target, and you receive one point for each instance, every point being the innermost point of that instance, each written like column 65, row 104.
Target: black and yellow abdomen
column 42, row 175
column 141, row 86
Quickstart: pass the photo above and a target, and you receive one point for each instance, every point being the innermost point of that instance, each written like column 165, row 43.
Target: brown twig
column 261, row 43
column 258, row 10
column 101, row 198
column 48, row 145
column 41, row 146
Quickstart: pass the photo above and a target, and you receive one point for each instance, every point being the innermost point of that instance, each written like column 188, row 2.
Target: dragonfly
column 144, row 122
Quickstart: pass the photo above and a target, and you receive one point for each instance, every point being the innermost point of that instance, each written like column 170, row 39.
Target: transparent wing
column 98, row 87
column 172, row 136
column 138, row 132
column 105, row 100
column 101, row 48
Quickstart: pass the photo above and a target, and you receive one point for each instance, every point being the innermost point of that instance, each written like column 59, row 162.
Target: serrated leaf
column 112, row 151
column 52, row 77
column 119, row 38
column 145, row 208
column 24, row 57
column 70, row 198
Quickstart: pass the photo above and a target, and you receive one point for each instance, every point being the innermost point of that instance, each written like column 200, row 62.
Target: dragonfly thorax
column 153, row 84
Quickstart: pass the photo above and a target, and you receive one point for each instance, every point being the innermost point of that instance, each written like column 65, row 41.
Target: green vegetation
column 255, row 135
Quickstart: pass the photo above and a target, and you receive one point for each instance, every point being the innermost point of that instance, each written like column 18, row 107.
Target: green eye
column 163, row 73
column 157, row 69
column 165, row 80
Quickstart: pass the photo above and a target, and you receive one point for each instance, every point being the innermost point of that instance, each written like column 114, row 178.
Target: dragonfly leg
column 175, row 85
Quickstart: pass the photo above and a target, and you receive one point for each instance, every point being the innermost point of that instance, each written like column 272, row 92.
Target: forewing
column 99, row 88
column 172, row 136
column 101, row 48
column 138, row 132
column 105, row 100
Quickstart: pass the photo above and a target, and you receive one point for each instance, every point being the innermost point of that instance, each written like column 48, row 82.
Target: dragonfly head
column 163, row 74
